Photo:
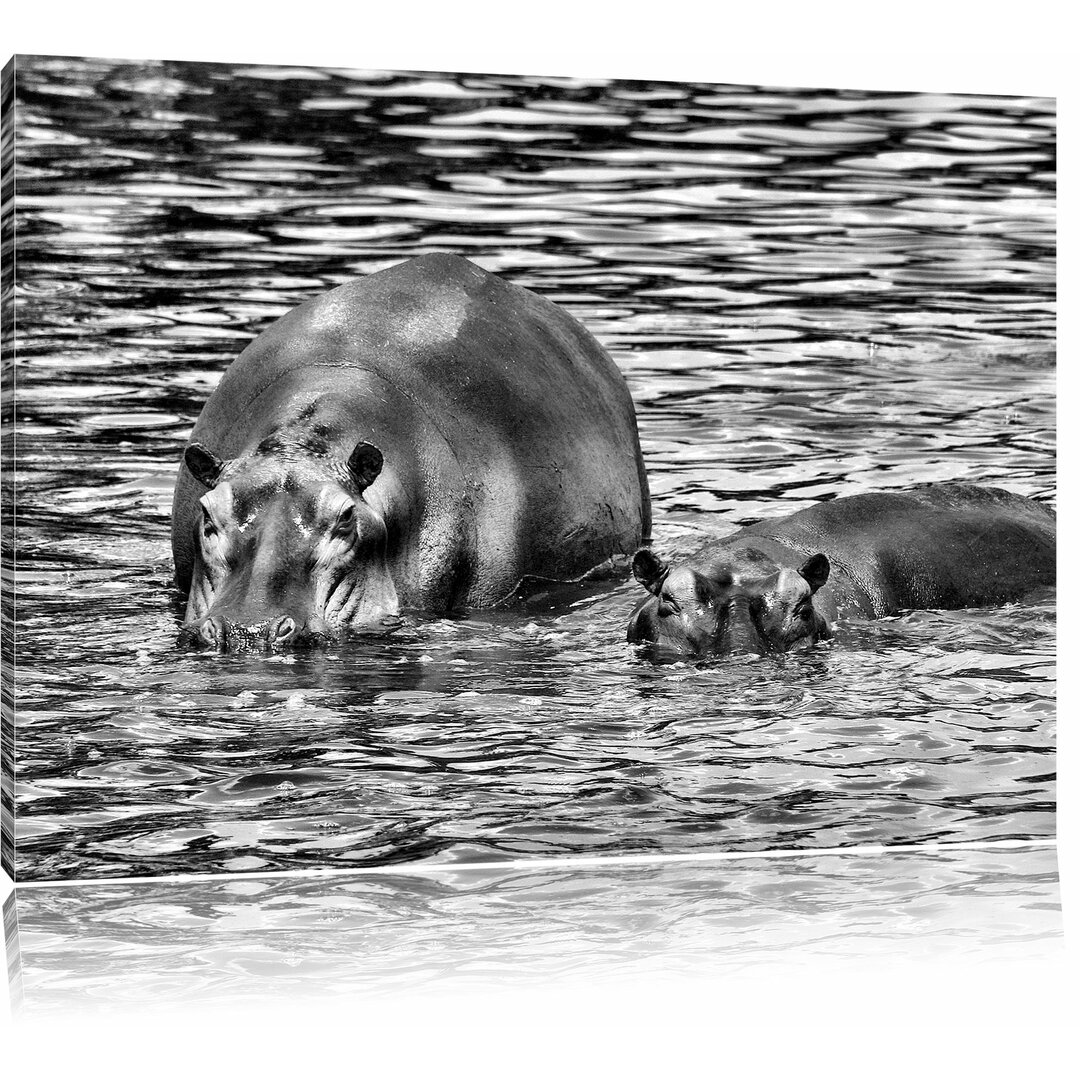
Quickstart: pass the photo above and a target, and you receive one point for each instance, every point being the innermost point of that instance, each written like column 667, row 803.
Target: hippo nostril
column 283, row 630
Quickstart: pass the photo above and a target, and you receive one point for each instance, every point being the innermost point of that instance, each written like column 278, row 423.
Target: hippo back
column 936, row 546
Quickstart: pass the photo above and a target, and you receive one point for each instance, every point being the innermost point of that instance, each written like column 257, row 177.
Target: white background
column 923, row 1020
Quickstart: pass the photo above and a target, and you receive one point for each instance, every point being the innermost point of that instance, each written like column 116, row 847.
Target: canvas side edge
column 7, row 468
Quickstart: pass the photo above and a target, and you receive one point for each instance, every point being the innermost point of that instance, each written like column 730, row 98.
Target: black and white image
column 444, row 569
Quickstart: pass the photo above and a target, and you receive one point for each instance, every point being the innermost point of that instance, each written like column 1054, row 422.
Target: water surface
column 811, row 293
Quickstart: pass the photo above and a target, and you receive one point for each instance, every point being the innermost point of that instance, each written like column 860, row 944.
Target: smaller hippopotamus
column 779, row 584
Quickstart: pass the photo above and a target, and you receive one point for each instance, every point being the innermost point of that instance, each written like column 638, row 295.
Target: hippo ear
column 365, row 463
column 203, row 464
column 816, row 571
column 649, row 570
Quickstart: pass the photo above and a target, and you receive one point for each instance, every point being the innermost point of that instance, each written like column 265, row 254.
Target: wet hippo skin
column 780, row 583
column 423, row 438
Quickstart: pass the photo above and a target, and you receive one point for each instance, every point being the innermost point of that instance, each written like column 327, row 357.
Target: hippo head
column 738, row 604
column 286, row 548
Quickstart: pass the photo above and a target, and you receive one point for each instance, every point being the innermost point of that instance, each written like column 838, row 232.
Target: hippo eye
column 209, row 529
column 345, row 521
column 668, row 605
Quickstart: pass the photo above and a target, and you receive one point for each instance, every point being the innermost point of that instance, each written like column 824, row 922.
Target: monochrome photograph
column 434, row 469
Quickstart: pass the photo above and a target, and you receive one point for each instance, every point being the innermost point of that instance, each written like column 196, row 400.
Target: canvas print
column 437, row 468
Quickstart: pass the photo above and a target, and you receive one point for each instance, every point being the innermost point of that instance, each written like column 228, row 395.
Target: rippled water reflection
column 811, row 293
column 209, row 944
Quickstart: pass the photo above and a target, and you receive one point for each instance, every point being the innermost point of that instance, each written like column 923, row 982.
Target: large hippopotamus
column 424, row 438
column 779, row 584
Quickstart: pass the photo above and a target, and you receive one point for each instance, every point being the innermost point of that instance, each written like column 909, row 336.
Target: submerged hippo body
column 780, row 583
column 423, row 438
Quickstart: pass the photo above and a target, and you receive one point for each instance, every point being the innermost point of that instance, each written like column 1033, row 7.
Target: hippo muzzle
column 227, row 635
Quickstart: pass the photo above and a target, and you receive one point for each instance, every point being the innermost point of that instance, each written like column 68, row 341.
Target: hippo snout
column 223, row 634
